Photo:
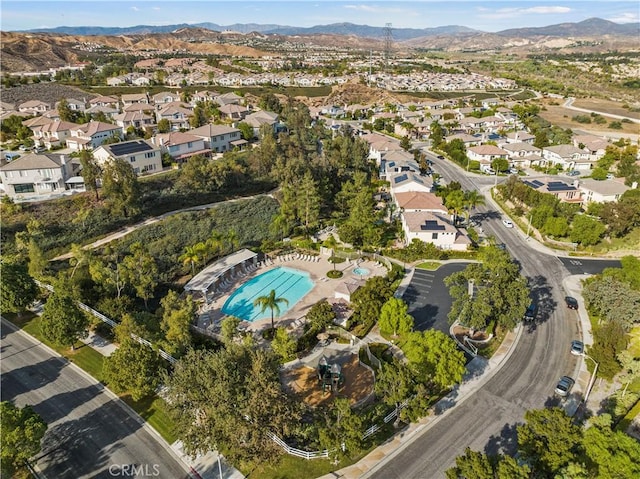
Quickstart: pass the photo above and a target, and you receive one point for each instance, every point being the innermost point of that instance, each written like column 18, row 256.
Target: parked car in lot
column 573, row 173
column 577, row 347
column 507, row 223
column 572, row 303
column 564, row 386
column 531, row 312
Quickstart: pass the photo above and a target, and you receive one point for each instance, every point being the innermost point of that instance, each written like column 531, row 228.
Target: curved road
column 91, row 433
column 486, row 420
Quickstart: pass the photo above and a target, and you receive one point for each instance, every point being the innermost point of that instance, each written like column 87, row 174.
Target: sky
column 485, row 15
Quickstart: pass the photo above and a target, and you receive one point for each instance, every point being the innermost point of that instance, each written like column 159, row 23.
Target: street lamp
column 593, row 377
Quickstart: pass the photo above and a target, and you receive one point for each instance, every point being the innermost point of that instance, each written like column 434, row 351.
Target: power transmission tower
column 388, row 44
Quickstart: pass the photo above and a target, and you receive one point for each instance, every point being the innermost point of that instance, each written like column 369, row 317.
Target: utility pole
column 388, row 44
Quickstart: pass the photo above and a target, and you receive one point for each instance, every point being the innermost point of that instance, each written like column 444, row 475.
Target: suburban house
column 379, row 145
column 107, row 111
column 218, row 138
column 595, row 145
column 91, row 135
column 104, row 101
column 486, row 154
column 34, row 107
column 159, row 99
column 177, row 115
column 407, row 181
column 345, row 289
column 520, row 137
column 522, row 154
column 559, row 189
column 228, row 99
column 136, row 119
column 468, row 140
column 40, row 174
column 142, row 155
column 131, row 98
column 203, row 96
column 420, row 201
column 397, row 162
column 568, row 157
column 54, row 133
column 259, row 118
column 433, row 228
column 74, row 105
column 233, row 111
column 594, row 191
column 181, row 146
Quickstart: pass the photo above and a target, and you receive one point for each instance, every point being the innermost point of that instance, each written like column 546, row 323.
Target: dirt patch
column 606, row 106
column 47, row 92
column 358, row 383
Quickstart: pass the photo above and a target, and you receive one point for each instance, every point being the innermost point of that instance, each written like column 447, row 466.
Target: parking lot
column 428, row 298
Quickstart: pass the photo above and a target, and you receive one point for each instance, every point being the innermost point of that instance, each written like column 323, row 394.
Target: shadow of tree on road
column 506, row 442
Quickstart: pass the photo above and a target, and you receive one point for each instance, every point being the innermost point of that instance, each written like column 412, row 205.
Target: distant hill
column 399, row 34
column 591, row 27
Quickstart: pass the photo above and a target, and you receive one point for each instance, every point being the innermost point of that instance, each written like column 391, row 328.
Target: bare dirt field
column 358, row 383
column 560, row 116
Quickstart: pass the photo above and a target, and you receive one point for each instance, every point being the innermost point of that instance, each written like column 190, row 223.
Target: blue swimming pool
column 289, row 283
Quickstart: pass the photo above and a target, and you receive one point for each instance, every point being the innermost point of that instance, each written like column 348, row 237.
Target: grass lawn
column 154, row 410
column 634, row 341
column 430, row 265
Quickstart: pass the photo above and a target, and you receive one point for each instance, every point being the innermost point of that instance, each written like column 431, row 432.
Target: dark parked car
column 564, row 386
column 572, row 303
column 531, row 312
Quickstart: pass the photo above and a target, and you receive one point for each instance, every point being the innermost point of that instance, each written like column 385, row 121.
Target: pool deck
column 210, row 315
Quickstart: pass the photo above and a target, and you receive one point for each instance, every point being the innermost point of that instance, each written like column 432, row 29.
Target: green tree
column 500, row 165
column 586, row 230
column 343, row 429
column 141, row 271
column 613, row 300
column 283, row 345
column 62, row 321
column 164, row 126
column 549, row 439
column 246, row 130
column 394, row 317
column 472, row 464
column 120, row 184
column 472, row 199
column 229, row 329
column 308, row 201
column 133, row 368
column 435, row 358
column 320, row 316
column 556, row 226
column 599, row 174
column 272, row 303
column 192, row 255
column 394, row 383
column 609, row 341
column 612, row 454
column 509, row 468
column 177, row 316
column 90, row 171
column 405, row 143
column 17, row 288
column 37, row 260
column 248, row 403
column 22, row 433
column 109, row 275
column 367, row 301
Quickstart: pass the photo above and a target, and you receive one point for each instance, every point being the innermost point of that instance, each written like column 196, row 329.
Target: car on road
column 501, row 246
column 572, row 303
column 577, row 347
column 531, row 312
column 507, row 223
column 440, row 157
column 564, row 386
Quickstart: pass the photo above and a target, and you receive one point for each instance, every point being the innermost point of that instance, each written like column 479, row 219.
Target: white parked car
column 507, row 223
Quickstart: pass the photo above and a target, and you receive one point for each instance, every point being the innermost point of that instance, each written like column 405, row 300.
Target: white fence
column 112, row 323
column 298, row 452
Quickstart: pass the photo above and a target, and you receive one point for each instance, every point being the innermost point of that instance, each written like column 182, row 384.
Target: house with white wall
column 594, row 191
column 91, row 135
column 181, row 146
column 568, row 157
column 142, row 155
column 35, row 175
column 218, row 138
column 433, row 228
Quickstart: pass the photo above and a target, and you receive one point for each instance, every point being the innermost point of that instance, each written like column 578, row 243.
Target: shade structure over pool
column 202, row 281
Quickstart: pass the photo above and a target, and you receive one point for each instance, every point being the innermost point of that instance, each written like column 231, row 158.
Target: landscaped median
column 152, row 409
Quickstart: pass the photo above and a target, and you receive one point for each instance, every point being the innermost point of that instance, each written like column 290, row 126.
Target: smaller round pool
column 361, row 271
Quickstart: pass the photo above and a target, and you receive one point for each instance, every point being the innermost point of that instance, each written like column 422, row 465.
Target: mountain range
column 590, row 27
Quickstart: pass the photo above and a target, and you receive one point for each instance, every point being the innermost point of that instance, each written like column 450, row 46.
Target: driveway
column 428, row 297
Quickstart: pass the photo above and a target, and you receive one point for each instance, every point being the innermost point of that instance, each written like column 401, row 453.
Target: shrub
column 334, row 274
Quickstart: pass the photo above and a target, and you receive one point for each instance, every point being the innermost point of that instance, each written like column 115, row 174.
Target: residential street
column 91, row 433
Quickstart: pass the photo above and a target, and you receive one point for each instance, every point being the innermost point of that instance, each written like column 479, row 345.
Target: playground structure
column 329, row 375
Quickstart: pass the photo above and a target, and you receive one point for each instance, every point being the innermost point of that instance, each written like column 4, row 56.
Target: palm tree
column 215, row 243
column 471, row 200
column 271, row 302
column 232, row 240
column 191, row 255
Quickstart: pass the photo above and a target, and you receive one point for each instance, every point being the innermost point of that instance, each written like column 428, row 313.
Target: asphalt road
column 91, row 434
column 486, row 421
column 428, row 298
